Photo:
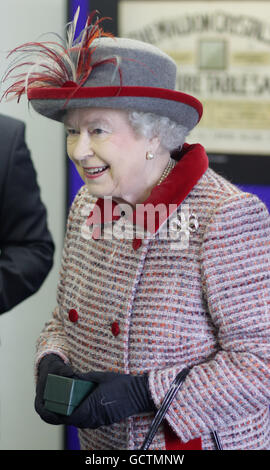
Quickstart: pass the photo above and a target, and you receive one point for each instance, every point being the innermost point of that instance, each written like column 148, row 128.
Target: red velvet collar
column 192, row 164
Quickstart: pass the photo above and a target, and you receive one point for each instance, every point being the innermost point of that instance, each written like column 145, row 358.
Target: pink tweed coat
column 157, row 305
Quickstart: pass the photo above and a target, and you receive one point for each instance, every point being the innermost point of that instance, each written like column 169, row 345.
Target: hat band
column 40, row 93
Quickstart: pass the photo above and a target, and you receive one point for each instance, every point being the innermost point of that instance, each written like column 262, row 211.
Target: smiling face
column 109, row 156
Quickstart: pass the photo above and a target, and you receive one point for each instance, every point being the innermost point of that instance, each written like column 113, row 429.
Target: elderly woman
column 165, row 266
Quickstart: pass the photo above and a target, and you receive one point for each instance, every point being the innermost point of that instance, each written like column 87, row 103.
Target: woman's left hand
column 116, row 397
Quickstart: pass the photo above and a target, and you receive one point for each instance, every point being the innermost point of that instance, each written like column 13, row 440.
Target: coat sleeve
column 53, row 339
column 26, row 245
column 235, row 383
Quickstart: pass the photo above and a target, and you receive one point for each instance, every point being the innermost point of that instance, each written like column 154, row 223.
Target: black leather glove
column 116, row 397
column 50, row 364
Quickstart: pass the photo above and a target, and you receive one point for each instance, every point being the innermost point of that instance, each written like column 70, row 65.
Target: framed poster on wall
column 222, row 49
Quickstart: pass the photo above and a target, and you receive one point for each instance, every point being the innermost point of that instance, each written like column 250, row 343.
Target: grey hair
column 171, row 134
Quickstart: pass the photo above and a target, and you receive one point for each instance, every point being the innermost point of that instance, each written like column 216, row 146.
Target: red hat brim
column 70, row 93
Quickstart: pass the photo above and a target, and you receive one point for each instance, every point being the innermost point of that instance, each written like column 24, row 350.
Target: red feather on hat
column 54, row 64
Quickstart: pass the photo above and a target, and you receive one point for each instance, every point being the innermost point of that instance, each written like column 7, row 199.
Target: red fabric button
column 73, row 315
column 115, row 328
column 136, row 243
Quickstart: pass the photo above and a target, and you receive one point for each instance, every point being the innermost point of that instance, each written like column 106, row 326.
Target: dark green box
column 62, row 394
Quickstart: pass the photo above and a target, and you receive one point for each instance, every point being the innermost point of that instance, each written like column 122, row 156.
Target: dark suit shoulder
column 9, row 126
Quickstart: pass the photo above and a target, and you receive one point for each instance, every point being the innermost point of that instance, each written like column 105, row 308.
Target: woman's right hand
column 50, row 364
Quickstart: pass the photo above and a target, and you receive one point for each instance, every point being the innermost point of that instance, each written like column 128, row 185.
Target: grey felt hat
column 107, row 72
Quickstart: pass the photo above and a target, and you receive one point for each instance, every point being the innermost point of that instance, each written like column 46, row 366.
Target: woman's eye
column 97, row 131
column 71, row 132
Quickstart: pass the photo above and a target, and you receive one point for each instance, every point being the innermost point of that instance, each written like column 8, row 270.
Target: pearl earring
column 149, row 156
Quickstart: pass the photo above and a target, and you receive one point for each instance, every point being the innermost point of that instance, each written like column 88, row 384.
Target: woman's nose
column 82, row 148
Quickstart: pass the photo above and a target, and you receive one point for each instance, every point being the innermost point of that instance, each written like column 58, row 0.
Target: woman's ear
column 154, row 145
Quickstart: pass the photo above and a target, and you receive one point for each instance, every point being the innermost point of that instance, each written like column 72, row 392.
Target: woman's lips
column 94, row 172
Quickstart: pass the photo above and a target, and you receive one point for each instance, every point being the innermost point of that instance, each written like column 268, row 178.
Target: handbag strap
column 175, row 387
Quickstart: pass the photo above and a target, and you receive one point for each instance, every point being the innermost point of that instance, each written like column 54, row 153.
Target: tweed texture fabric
column 205, row 305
